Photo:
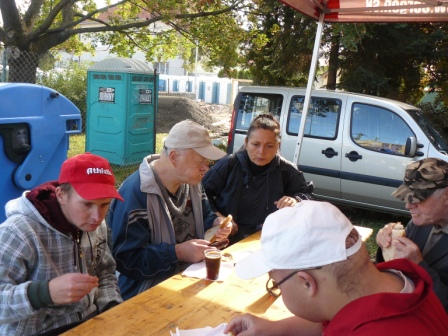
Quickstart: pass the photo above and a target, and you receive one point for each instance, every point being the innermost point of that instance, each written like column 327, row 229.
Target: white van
column 355, row 148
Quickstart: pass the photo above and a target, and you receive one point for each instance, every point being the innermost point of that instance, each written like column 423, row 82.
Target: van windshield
column 253, row 104
column 433, row 135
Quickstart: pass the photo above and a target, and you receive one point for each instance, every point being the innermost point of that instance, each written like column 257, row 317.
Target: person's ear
column 308, row 282
column 245, row 142
column 61, row 195
column 174, row 157
column 445, row 195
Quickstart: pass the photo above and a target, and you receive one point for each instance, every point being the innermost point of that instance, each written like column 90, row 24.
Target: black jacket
column 435, row 262
column 232, row 188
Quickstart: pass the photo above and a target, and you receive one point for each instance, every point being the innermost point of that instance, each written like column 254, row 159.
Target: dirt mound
column 172, row 109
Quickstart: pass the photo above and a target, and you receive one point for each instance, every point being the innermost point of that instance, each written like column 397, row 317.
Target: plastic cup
column 212, row 263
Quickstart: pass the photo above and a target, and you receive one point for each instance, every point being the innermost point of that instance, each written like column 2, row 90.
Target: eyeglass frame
column 276, row 285
column 197, row 163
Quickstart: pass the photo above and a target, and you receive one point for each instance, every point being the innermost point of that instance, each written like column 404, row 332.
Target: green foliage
column 387, row 60
column 437, row 114
column 279, row 47
column 216, row 36
column 161, row 29
column 351, row 34
column 237, row 74
column 72, row 83
column 218, row 39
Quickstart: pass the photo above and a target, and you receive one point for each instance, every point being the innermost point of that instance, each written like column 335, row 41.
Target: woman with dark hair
column 255, row 181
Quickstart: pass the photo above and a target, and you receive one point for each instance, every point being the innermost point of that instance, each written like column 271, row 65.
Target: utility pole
column 196, row 72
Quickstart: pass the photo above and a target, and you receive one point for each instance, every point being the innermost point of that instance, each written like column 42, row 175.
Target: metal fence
column 178, row 99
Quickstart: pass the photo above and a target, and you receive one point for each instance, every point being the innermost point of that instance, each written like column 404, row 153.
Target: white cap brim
column 252, row 266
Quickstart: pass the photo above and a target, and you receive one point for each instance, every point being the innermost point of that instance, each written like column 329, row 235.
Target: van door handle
column 353, row 156
column 329, row 152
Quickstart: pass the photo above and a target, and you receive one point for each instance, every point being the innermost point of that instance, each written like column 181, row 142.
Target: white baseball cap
column 188, row 134
column 310, row 234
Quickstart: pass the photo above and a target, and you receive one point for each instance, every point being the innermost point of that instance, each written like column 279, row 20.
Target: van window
column 433, row 135
column 253, row 104
column 378, row 129
column 321, row 120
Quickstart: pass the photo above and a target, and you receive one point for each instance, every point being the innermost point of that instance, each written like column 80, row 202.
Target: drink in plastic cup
column 212, row 263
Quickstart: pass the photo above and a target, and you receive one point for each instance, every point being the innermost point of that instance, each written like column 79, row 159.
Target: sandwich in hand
column 397, row 231
column 210, row 235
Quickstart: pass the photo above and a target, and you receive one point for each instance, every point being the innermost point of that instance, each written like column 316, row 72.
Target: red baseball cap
column 90, row 175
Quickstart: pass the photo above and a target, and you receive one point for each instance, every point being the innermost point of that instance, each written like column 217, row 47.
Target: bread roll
column 210, row 233
column 397, row 231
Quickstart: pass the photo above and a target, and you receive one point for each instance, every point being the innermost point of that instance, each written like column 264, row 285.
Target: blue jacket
column 232, row 189
column 143, row 237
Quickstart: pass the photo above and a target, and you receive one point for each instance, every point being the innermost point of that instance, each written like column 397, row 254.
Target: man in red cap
column 56, row 269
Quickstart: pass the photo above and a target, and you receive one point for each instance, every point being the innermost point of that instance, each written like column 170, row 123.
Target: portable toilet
column 122, row 95
column 35, row 124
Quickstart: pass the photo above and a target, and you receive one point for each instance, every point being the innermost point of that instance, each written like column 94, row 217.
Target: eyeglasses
column 200, row 163
column 273, row 288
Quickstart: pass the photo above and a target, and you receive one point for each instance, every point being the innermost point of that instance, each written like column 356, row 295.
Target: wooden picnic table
column 190, row 303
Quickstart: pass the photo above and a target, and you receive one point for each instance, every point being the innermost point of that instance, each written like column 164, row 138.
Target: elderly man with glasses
column 316, row 260
column 159, row 229
column 425, row 191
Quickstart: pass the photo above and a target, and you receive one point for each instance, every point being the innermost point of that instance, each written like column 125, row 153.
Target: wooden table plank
column 188, row 303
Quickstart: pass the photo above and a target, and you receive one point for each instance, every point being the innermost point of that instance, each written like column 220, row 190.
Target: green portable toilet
column 121, row 110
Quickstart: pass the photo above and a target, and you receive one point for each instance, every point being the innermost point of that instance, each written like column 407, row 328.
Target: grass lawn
column 78, row 145
column 372, row 219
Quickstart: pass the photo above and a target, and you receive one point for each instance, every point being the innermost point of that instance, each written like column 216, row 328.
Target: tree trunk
column 22, row 66
column 333, row 63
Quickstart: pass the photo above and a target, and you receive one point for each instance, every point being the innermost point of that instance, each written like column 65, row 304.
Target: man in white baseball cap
column 160, row 229
column 316, row 260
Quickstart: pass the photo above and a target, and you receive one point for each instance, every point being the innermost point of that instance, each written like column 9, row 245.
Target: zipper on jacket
column 78, row 253
column 79, row 256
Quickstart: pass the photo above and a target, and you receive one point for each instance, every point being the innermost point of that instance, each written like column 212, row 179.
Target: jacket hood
column 41, row 205
column 45, row 201
column 148, row 183
column 21, row 206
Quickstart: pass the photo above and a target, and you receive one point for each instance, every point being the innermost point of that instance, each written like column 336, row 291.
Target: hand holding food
column 397, row 231
column 220, row 244
column 210, row 235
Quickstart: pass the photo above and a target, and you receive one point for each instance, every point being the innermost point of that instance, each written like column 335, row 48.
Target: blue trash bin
column 35, row 124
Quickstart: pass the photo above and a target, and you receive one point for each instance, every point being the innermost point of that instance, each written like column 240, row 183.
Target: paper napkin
column 207, row 331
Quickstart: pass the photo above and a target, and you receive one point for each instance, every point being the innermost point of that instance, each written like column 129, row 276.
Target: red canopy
column 373, row 10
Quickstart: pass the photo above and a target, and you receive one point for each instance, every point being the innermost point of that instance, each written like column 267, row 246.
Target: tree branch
column 11, row 19
column 139, row 24
column 46, row 24
column 32, row 12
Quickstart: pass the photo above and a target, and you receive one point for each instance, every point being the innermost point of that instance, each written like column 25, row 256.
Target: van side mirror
column 411, row 147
